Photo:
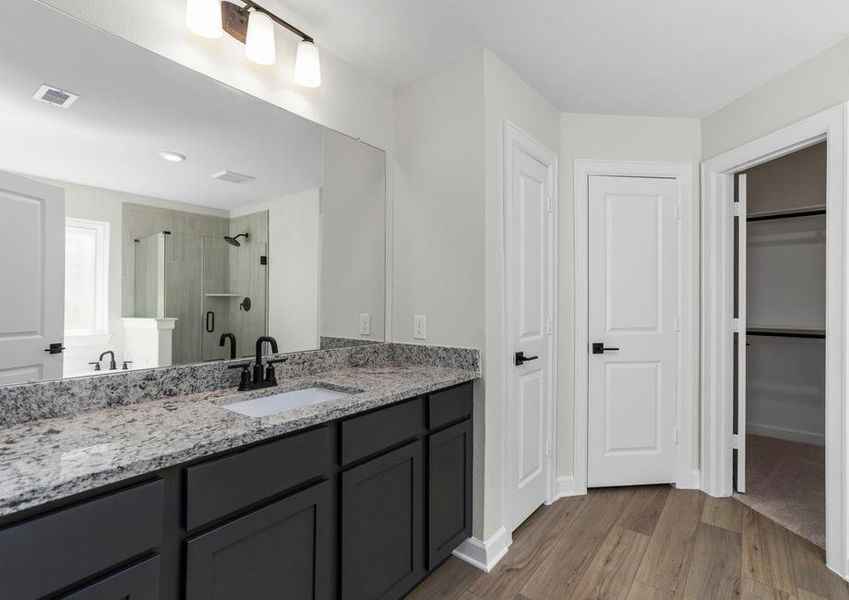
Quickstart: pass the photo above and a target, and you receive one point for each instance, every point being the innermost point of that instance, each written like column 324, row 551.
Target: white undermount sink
column 271, row 405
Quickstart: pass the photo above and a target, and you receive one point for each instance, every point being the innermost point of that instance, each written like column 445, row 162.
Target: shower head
column 234, row 240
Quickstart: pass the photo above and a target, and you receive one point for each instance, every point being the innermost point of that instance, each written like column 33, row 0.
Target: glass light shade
column 203, row 17
column 307, row 65
column 259, row 45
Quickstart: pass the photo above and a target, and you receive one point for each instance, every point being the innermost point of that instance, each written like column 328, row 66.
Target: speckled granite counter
column 49, row 459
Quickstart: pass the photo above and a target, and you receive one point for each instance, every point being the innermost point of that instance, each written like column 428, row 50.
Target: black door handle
column 519, row 358
column 598, row 348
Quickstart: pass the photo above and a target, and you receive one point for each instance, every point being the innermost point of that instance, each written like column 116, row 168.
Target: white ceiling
column 645, row 57
column 133, row 104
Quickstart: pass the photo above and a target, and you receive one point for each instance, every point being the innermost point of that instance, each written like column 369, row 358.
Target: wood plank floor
column 641, row 544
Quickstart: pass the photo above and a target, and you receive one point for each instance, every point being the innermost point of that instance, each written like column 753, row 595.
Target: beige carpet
column 785, row 481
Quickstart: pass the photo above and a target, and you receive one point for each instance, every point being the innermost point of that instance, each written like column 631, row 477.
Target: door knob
column 598, row 348
column 519, row 358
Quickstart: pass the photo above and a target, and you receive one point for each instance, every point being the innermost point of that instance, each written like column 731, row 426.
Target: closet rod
column 787, row 215
column 788, row 334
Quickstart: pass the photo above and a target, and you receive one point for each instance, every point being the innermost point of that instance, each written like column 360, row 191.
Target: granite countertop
column 49, row 459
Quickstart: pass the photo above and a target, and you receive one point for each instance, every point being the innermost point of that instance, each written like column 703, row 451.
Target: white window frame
column 101, row 332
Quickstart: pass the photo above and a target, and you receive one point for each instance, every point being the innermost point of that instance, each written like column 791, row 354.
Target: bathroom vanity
column 357, row 497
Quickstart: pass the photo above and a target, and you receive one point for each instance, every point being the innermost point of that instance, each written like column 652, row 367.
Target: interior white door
column 529, row 281
column 740, row 212
column 633, row 256
column 32, row 295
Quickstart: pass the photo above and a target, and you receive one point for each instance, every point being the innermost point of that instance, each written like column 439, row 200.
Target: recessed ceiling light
column 172, row 156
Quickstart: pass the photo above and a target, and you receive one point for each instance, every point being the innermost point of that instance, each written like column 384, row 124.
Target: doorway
column 717, row 357
column 779, row 415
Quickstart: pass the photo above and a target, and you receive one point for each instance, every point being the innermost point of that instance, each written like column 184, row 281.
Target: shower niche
column 196, row 286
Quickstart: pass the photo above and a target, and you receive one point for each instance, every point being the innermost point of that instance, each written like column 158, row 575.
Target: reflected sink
column 271, row 405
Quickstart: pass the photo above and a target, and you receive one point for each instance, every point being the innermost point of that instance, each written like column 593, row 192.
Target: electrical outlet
column 420, row 327
column 365, row 324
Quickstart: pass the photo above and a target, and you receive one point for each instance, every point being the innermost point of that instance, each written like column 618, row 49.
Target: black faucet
column 112, row 365
column 263, row 375
column 228, row 336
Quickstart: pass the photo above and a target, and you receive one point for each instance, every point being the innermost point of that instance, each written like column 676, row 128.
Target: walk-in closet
column 780, row 234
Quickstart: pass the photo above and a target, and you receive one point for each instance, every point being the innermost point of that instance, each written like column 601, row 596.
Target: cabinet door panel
column 449, row 491
column 139, row 582
column 280, row 551
column 382, row 525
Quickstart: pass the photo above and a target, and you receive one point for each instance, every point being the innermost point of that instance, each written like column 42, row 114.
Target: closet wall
column 786, row 291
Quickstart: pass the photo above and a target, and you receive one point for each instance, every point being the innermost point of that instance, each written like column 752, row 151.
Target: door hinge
column 676, row 323
column 735, row 441
column 736, row 325
column 548, row 448
column 676, row 211
column 738, row 209
column 548, row 204
column 549, row 326
column 675, row 436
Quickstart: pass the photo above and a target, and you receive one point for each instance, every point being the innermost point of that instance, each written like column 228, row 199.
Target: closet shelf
column 790, row 214
column 788, row 332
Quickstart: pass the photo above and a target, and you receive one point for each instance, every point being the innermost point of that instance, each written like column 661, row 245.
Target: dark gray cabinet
column 382, row 510
column 359, row 508
column 449, row 490
column 280, row 551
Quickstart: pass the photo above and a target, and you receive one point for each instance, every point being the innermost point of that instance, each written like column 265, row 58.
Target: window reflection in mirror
column 270, row 225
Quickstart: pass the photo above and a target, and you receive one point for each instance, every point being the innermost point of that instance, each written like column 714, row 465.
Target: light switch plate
column 420, row 327
column 365, row 324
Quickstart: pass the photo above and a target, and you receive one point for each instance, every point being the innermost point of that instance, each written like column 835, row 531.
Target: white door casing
column 832, row 126
column 529, row 310
column 32, row 296
column 633, row 269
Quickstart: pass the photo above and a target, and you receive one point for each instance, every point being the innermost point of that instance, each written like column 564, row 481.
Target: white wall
column 449, row 131
column 348, row 100
column 293, row 268
column 608, row 137
column 353, row 237
column 813, row 86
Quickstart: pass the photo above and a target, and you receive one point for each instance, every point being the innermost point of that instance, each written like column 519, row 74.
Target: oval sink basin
column 271, row 405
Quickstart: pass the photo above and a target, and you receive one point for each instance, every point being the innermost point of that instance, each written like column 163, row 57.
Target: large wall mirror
column 186, row 218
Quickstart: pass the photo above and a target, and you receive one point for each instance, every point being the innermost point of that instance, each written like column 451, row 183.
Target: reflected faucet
column 112, row 365
column 228, row 336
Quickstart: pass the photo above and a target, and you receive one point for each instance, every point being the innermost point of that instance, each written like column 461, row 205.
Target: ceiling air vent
column 55, row 96
column 233, row 177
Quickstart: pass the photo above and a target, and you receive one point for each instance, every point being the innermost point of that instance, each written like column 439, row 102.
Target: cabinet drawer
column 365, row 435
column 139, row 582
column 449, row 405
column 222, row 486
column 51, row 552
column 284, row 550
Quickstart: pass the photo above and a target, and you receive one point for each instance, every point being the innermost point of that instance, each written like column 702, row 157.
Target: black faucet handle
column 96, row 365
column 241, row 365
column 274, row 361
column 126, row 365
column 245, row 376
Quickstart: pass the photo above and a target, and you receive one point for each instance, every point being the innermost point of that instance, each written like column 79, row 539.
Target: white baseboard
column 565, row 487
column 693, row 482
column 783, row 433
column 484, row 555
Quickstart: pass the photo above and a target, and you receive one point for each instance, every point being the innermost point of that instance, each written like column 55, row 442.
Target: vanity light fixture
column 174, row 157
column 253, row 25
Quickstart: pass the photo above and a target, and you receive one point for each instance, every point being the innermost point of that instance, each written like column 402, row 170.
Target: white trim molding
column 484, row 555
column 565, row 488
column 516, row 138
column 717, row 303
column 686, row 401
